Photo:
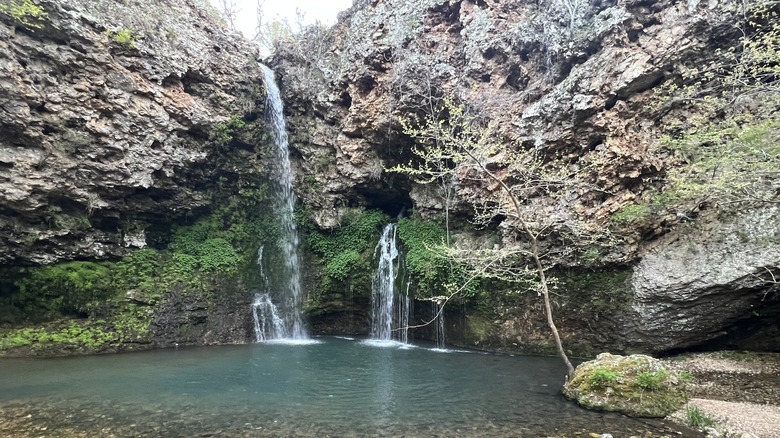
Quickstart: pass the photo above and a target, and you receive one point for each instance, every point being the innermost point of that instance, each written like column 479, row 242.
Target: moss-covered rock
column 636, row 385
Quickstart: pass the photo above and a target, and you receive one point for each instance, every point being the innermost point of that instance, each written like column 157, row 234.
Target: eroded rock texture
column 580, row 87
column 106, row 112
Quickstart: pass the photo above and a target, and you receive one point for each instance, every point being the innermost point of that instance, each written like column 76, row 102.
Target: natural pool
column 335, row 387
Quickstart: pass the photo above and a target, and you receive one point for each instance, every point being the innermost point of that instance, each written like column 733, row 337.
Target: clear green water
column 337, row 387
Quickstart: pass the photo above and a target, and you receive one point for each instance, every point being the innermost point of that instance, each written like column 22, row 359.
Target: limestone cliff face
column 579, row 85
column 106, row 116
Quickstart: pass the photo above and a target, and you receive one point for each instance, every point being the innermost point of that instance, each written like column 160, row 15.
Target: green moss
column 131, row 323
column 73, row 288
column 477, row 328
column 342, row 266
column 602, row 378
column 24, row 12
column 75, row 334
column 630, row 214
column 345, row 254
column 431, row 272
column 635, row 385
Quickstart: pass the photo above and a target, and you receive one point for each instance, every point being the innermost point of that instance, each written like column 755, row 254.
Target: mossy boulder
column 636, row 385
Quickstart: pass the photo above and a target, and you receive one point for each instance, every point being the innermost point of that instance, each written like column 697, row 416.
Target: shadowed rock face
column 706, row 284
column 103, row 139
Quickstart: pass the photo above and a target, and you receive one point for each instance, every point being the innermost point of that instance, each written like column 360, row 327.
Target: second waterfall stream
column 390, row 302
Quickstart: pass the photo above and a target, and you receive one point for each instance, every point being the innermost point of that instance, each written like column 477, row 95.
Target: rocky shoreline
column 739, row 392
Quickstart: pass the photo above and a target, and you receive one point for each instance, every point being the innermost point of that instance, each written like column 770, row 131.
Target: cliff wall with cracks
column 580, row 85
column 107, row 119
column 121, row 124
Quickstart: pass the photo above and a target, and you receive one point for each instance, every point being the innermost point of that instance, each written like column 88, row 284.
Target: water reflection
column 337, row 387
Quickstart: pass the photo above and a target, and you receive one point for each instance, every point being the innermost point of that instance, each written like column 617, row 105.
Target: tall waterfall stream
column 281, row 320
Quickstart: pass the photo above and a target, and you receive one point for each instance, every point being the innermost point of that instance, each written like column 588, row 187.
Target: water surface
column 337, row 387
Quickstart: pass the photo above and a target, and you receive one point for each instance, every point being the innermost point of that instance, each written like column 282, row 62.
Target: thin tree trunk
column 539, row 267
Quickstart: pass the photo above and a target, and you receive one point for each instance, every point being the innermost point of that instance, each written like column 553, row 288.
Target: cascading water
column 438, row 314
column 289, row 298
column 268, row 324
column 389, row 309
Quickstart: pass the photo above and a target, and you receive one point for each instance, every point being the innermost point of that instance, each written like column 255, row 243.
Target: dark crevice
column 345, row 100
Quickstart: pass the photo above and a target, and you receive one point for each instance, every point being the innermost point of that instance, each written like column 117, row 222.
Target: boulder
column 636, row 385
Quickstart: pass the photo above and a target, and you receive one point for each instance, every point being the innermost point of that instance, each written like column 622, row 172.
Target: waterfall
column 438, row 313
column 268, row 324
column 289, row 298
column 389, row 309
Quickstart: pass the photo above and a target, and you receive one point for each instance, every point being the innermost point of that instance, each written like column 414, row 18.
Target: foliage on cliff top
column 729, row 142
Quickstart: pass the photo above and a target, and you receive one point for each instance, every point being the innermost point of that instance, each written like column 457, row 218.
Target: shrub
column 223, row 133
column 698, row 419
column 73, row 288
column 124, row 37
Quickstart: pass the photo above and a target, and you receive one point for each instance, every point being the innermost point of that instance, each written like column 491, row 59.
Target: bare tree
column 229, row 10
column 454, row 144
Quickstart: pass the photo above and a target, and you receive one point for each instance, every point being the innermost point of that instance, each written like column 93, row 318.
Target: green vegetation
column 635, row 385
column 73, row 334
column 698, row 419
column 651, row 380
column 728, row 144
column 118, row 297
column 432, row 273
column 730, row 162
column 74, row 288
column 449, row 139
column 685, row 376
column 630, row 214
column 346, row 252
column 224, row 132
column 601, row 378
column 25, row 12
column 124, row 37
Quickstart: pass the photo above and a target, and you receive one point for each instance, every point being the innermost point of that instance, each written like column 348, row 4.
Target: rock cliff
column 582, row 83
column 119, row 123
column 107, row 118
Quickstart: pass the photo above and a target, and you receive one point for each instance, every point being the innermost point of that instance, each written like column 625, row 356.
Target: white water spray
column 389, row 309
column 268, row 324
column 290, row 298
